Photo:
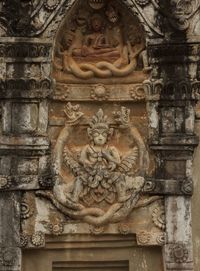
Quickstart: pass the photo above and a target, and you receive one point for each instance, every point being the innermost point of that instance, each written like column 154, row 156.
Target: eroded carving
column 179, row 253
column 55, row 229
column 5, row 182
column 100, row 46
column 8, row 257
column 143, row 238
column 38, row 239
column 23, row 240
column 102, row 177
column 158, row 217
column 26, row 211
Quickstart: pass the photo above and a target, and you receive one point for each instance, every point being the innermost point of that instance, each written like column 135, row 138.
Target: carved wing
column 129, row 161
column 71, row 162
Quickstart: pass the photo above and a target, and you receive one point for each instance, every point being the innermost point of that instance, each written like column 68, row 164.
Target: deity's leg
column 78, row 187
column 121, row 189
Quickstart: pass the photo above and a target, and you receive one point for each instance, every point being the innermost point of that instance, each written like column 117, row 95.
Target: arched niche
column 100, row 42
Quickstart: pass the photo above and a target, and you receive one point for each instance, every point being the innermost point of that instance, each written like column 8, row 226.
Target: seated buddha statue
column 97, row 43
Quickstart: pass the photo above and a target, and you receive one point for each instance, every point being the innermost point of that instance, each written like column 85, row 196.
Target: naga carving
column 95, row 43
column 105, row 185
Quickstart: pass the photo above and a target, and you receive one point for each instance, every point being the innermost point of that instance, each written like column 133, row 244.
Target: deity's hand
column 106, row 154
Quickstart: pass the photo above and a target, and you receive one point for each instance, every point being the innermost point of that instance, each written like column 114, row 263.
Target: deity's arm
column 85, row 155
column 113, row 155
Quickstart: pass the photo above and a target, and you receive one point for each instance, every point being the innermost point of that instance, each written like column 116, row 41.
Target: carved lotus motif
column 37, row 239
column 179, row 253
column 51, row 4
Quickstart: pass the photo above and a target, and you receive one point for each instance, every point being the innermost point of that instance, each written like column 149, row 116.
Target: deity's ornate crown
column 99, row 121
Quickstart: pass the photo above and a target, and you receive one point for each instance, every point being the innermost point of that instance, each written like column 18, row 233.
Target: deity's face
column 96, row 24
column 100, row 137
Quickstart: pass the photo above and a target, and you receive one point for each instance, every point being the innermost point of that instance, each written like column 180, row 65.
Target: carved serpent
column 101, row 69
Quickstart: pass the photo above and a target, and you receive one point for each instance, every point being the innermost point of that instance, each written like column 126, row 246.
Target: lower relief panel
column 96, row 216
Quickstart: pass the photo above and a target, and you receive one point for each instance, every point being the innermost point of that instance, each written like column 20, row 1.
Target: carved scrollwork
column 138, row 93
column 23, row 240
column 187, row 187
column 161, row 239
column 158, row 217
column 149, row 186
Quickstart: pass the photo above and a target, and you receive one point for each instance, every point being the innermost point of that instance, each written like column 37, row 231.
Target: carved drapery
column 171, row 90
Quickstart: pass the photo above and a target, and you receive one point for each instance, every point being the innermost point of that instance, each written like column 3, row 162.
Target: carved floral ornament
column 8, row 256
column 103, row 187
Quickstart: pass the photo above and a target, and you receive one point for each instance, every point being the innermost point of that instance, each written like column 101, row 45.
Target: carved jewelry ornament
column 104, row 188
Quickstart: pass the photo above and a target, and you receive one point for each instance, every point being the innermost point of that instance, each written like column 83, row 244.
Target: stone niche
column 98, row 127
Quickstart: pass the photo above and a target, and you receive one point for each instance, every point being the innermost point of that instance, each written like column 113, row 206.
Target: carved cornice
column 172, row 91
column 168, row 187
column 25, row 20
column 25, row 49
column 26, row 88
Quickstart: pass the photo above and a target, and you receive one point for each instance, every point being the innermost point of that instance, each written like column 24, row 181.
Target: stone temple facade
column 99, row 124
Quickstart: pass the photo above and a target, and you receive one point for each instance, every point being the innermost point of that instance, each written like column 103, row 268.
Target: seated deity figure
column 99, row 162
column 97, row 43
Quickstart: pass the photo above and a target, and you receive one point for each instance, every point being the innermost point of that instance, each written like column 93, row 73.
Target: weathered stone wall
column 141, row 101
column 196, row 203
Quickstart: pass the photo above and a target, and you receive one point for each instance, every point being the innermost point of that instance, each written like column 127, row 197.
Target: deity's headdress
column 99, row 122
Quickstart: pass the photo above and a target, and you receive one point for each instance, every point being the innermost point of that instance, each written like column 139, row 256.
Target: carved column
column 172, row 93
column 25, row 85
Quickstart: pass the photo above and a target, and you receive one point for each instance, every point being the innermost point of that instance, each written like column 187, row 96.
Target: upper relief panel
column 100, row 41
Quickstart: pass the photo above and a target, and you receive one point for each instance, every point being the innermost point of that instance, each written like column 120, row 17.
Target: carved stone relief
column 99, row 179
column 99, row 43
column 120, row 92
